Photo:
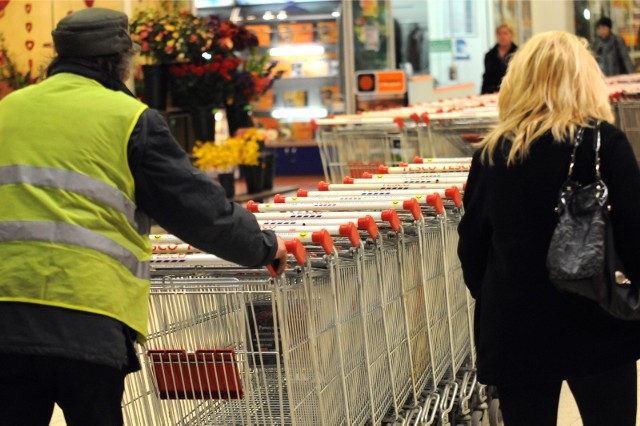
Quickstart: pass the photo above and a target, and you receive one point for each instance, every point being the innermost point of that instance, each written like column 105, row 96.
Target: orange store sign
column 381, row 82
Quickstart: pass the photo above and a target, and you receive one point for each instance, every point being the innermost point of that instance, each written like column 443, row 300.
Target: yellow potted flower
column 221, row 159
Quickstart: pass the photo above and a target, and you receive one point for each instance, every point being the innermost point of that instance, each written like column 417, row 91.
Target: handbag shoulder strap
column 596, row 147
column 576, row 143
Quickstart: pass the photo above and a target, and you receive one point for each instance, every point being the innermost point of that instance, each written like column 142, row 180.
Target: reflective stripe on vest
column 65, row 233
column 75, row 182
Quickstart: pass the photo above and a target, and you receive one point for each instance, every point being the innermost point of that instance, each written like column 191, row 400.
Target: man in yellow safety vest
column 83, row 165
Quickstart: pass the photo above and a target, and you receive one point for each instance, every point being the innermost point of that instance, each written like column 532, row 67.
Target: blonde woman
column 529, row 337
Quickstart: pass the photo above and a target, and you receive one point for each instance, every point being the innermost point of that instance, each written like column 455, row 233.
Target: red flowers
column 206, row 68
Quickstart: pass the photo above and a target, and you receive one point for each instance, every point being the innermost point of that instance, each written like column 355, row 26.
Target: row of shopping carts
column 351, row 145
column 370, row 323
column 354, row 144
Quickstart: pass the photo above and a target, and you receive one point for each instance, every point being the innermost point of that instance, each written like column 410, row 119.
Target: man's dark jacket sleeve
column 189, row 204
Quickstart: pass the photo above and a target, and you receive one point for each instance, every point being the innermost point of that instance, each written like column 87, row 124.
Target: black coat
column 525, row 331
column 495, row 68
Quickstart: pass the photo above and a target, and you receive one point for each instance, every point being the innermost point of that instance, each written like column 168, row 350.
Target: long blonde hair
column 552, row 83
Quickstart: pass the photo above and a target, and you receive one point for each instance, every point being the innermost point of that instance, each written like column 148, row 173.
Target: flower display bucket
column 228, row 182
column 203, row 123
column 269, row 161
column 238, row 116
column 155, row 78
column 254, row 177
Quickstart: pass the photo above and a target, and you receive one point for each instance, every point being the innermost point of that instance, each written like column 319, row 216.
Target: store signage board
column 381, row 82
column 440, row 46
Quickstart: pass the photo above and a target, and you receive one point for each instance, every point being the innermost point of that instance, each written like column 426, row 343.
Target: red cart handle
column 295, row 248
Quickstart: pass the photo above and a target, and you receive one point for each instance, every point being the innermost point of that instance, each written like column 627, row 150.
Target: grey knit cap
column 92, row 32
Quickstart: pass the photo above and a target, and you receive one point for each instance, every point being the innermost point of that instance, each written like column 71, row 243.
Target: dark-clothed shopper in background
column 611, row 52
column 83, row 164
column 495, row 61
column 530, row 337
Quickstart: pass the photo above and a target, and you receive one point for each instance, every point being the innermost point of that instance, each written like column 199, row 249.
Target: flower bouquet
column 203, row 83
column 209, row 77
column 220, row 159
column 167, row 36
column 172, row 36
column 224, row 157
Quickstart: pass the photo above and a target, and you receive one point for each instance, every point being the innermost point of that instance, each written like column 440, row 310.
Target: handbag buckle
column 601, row 192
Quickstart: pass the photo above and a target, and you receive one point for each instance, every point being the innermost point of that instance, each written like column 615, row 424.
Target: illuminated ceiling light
column 251, row 18
column 268, row 16
column 587, row 14
column 282, row 15
column 335, row 14
column 207, row 55
column 305, row 113
column 297, row 50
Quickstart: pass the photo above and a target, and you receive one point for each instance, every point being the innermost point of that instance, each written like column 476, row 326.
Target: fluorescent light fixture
column 282, row 15
column 207, row 55
column 268, row 16
column 335, row 14
column 297, row 50
column 587, row 14
column 251, row 18
column 200, row 4
column 307, row 113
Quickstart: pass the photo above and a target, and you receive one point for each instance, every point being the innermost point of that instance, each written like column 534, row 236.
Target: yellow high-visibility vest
column 70, row 234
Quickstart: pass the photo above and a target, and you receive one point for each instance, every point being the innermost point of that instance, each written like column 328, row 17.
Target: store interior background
column 439, row 43
column 455, row 36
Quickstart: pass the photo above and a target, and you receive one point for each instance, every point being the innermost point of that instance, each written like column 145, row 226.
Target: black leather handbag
column 582, row 258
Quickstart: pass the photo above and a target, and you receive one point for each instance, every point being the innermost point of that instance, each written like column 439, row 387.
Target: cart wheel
column 495, row 415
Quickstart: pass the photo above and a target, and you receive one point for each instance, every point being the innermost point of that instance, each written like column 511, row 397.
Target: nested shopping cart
column 450, row 305
column 352, row 144
column 386, row 338
column 233, row 346
column 428, row 330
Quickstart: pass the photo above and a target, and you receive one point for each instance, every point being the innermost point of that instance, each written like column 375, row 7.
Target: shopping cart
column 353, row 144
column 234, row 346
column 449, row 305
column 453, row 134
column 628, row 111
column 405, row 298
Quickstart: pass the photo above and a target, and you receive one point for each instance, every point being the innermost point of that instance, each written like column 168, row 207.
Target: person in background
column 611, row 52
column 83, row 165
column 530, row 337
column 496, row 59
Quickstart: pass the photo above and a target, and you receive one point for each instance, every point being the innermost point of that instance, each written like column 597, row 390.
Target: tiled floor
column 568, row 414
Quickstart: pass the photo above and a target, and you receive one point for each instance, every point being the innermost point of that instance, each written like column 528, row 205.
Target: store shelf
column 297, row 80
column 328, row 47
column 310, row 44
